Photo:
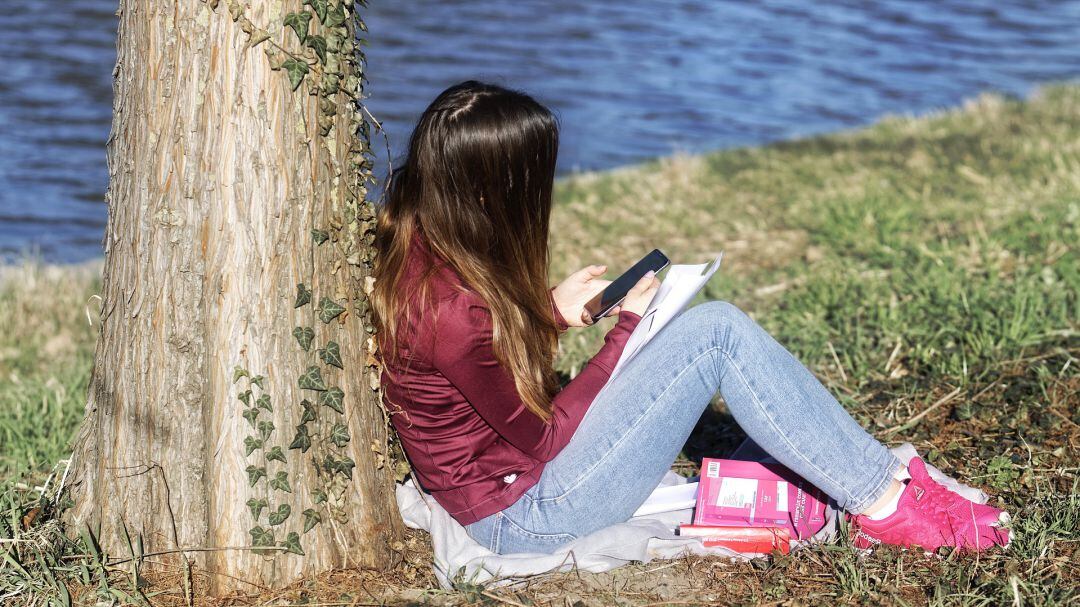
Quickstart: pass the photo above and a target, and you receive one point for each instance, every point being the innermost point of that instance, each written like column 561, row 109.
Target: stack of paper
column 680, row 286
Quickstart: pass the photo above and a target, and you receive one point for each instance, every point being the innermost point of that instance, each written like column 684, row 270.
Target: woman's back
column 472, row 442
column 455, row 454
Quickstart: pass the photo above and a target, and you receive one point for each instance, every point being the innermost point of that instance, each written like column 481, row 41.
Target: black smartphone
column 599, row 306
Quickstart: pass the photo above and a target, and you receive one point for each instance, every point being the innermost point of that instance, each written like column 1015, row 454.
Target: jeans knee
column 720, row 321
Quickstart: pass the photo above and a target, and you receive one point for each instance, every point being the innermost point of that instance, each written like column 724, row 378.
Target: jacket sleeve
column 560, row 322
column 464, row 354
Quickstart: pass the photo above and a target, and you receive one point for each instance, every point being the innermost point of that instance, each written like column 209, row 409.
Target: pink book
column 735, row 493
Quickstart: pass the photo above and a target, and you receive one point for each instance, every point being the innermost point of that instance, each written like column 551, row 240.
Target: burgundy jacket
column 470, row 440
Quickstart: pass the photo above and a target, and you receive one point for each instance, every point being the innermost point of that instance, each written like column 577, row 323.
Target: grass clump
column 926, row 269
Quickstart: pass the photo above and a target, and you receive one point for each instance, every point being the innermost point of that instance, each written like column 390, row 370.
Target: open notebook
column 680, row 285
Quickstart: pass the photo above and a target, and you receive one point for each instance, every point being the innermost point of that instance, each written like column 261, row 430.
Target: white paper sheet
column 669, row 499
column 680, row 285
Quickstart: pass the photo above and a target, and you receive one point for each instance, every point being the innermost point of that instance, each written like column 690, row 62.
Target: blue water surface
column 630, row 79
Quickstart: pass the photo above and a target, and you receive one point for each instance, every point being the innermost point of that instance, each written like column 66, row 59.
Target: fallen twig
column 915, row 419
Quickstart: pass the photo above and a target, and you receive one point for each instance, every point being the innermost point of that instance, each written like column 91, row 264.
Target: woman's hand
column 572, row 294
column 641, row 295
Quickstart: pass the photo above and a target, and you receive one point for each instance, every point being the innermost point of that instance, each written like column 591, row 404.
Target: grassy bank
column 926, row 269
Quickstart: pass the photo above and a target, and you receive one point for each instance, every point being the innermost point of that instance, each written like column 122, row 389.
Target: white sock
column 889, row 508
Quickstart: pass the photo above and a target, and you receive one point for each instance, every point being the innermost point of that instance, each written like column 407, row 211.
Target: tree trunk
column 202, row 391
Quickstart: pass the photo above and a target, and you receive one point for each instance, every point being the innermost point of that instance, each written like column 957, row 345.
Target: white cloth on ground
column 642, row 538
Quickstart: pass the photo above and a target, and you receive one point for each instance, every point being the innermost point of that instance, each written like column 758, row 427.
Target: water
column 630, row 79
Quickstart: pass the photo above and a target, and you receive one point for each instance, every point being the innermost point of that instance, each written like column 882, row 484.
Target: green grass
column 46, row 348
column 926, row 269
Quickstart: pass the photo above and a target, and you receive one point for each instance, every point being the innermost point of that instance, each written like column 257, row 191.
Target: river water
column 630, row 79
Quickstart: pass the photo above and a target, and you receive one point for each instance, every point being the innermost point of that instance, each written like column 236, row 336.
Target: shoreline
column 564, row 181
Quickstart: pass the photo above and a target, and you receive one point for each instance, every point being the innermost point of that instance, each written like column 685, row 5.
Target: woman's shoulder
column 458, row 306
column 443, row 300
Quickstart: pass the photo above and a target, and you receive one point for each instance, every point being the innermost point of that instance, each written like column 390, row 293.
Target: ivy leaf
column 312, row 379
column 238, row 373
column 259, row 380
column 236, row 10
column 256, row 506
column 302, row 440
column 333, row 44
column 304, row 336
column 257, row 37
column 299, row 23
column 292, row 543
column 320, row 496
column 335, row 16
column 261, row 537
column 318, row 44
column 319, row 236
column 276, row 454
column 280, row 515
column 309, row 411
column 330, row 464
column 328, row 309
column 254, row 474
column 326, row 123
column 296, row 71
column 344, row 465
column 303, row 295
column 281, row 482
column 250, row 444
column 251, row 415
column 311, row 518
column 245, row 397
column 339, row 435
column 333, row 398
column 319, row 6
column 330, row 84
column 331, row 354
column 401, row 470
column 265, row 429
column 263, row 402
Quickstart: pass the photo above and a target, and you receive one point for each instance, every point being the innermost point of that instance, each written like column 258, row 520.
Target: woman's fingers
column 637, row 300
column 596, row 285
column 589, row 274
column 646, row 282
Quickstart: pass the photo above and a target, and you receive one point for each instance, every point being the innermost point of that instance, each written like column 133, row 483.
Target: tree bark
column 219, row 172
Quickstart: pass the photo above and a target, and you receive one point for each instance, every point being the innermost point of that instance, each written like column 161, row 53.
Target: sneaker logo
column 919, row 491
column 863, row 536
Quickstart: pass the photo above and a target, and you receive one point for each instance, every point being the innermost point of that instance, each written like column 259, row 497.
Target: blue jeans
column 638, row 424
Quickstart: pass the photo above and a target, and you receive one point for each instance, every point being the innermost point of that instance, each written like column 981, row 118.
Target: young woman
column 468, row 332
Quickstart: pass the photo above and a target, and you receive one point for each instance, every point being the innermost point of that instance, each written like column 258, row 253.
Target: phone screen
column 615, row 292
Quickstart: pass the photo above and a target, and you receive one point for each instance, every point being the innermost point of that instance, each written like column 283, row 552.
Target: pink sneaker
column 984, row 514
column 931, row 516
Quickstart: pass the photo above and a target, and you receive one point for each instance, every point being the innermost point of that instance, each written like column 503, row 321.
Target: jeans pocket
column 513, row 538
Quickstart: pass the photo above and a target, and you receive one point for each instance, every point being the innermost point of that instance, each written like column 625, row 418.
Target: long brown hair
column 477, row 184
